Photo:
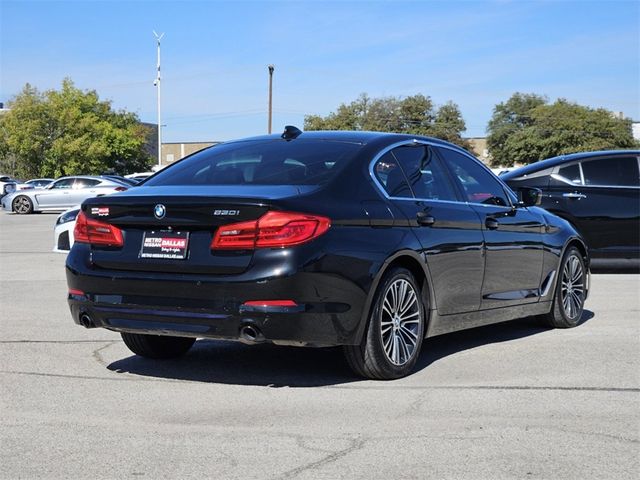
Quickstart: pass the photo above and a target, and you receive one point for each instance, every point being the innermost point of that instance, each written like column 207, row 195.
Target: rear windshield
column 272, row 162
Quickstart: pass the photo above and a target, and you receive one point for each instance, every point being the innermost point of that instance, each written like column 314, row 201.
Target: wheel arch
column 577, row 242
column 413, row 262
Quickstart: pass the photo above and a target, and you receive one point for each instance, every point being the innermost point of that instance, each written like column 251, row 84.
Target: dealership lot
column 506, row 401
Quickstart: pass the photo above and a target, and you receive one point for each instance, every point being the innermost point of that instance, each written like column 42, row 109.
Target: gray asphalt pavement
column 506, row 401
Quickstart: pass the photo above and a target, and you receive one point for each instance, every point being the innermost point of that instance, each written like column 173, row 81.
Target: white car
column 7, row 185
column 61, row 194
column 138, row 177
column 35, row 183
column 63, row 231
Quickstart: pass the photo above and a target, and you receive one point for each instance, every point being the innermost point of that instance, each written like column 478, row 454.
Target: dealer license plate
column 164, row 244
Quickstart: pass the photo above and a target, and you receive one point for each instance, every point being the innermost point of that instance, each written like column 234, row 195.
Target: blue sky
column 215, row 56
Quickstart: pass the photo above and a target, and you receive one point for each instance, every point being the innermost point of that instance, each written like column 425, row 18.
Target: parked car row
column 597, row 192
column 10, row 185
column 62, row 194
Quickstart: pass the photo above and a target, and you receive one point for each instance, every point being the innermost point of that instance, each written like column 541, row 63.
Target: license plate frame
column 164, row 245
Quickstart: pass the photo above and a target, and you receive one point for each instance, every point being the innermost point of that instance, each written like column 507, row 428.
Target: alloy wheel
column 21, row 205
column 400, row 322
column 572, row 290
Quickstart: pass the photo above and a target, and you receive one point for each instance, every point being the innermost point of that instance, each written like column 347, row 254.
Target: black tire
column 374, row 357
column 22, row 205
column 569, row 296
column 157, row 346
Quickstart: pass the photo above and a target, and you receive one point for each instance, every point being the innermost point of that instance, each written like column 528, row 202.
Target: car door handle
column 425, row 219
column 574, row 195
column 491, row 223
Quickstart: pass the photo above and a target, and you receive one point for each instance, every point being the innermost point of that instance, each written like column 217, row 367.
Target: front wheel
column 22, row 205
column 157, row 346
column 568, row 301
column 395, row 330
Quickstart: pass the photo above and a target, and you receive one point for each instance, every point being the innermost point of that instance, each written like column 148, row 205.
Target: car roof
column 560, row 159
column 351, row 136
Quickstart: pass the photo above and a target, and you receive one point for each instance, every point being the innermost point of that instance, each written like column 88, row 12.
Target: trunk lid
column 190, row 213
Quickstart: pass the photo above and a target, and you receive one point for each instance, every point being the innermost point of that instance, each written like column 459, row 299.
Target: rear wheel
column 157, row 346
column 22, row 205
column 395, row 330
column 568, row 301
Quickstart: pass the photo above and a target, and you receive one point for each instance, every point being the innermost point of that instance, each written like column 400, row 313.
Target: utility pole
column 271, row 68
column 157, row 84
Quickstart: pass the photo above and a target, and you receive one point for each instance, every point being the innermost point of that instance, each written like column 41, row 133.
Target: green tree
column 508, row 118
column 68, row 132
column 526, row 129
column 414, row 114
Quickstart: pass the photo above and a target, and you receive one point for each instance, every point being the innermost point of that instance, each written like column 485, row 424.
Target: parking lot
column 507, row 401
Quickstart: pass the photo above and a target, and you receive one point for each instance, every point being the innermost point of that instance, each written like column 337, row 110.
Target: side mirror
column 529, row 196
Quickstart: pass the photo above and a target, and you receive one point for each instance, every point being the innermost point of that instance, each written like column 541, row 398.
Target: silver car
column 61, row 194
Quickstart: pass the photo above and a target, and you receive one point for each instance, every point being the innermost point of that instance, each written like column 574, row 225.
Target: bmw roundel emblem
column 159, row 211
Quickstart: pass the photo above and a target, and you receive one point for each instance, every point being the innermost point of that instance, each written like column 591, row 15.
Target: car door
column 448, row 230
column 55, row 195
column 603, row 202
column 83, row 188
column 513, row 235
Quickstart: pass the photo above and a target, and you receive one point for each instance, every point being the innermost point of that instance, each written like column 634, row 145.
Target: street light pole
column 157, row 84
column 271, row 68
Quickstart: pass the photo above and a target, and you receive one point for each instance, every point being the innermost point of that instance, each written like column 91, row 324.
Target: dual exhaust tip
column 249, row 333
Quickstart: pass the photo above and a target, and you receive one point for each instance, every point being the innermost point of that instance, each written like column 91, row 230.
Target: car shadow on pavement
column 213, row 361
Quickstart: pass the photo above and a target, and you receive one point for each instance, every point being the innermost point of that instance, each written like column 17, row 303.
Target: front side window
column 611, row 171
column 272, row 162
column 479, row 185
column 426, row 176
column 389, row 174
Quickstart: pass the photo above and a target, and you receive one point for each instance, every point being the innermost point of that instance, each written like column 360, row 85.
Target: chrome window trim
column 560, row 178
column 416, row 141
column 581, row 173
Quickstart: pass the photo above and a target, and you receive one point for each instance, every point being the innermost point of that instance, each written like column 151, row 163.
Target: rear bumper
column 327, row 312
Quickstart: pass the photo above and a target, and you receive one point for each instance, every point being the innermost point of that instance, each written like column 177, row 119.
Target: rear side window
column 271, row 162
column 571, row 173
column 65, row 183
column 389, row 174
column 85, row 183
column 611, row 171
column 479, row 185
column 425, row 174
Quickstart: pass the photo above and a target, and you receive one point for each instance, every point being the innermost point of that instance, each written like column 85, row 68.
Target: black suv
column 599, row 194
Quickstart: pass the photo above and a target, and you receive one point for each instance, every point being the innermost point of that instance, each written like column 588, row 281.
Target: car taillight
column 272, row 230
column 88, row 230
column 120, row 189
column 270, row 303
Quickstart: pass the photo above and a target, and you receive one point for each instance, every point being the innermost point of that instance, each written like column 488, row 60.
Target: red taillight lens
column 272, row 230
column 120, row 189
column 88, row 230
column 270, row 303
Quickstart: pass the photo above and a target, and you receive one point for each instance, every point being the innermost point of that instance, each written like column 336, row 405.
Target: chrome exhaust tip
column 251, row 334
column 86, row 321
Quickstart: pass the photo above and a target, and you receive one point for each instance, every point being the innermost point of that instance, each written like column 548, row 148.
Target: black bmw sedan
column 371, row 241
column 599, row 194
